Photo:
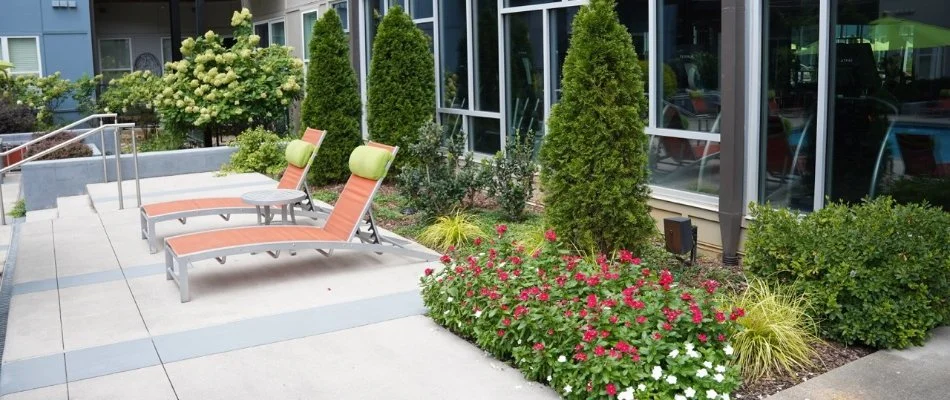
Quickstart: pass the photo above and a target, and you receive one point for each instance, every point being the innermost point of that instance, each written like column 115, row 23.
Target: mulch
column 829, row 355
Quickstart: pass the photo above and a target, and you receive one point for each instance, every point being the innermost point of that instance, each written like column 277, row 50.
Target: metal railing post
column 135, row 167
column 118, row 167
column 102, row 142
column 3, row 209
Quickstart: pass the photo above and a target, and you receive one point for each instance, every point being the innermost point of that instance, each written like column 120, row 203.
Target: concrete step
column 42, row 215
column 74, row 206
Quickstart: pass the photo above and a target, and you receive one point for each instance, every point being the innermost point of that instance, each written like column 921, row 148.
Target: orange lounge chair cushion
column 171, row 207
column 224, row 238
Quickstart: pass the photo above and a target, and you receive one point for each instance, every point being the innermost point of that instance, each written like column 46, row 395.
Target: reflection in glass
column 525, row 73
column 261, row 30
column 890, row 128
column 309, row 20
column 561, row 22
column 429, row 29
column 453, row 123
column 421, row 9
column 635, row 15
column 486, row 55
column 685, row 164
column 690, row 47
column 374, row 15
column 789, row 99
column 343, row 13
column 454, row 54
column 485, row 135
column 277, row 33
column 519, row 3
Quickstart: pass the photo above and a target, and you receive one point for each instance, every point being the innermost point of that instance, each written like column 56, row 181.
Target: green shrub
column 778, row 335
column 15, row 118
column 18, row 210
column 589, row 329
column 442, row 179
column 332, row 102
column 72, row 150
column 217, row 88
column 877, row 273
column 45, row 94
column 259, row 150
column 914, row 189
column 401, row 84
column 512, row 179
column 593, row 159
column 132, row 95
column 450, row 231
column 163, row 141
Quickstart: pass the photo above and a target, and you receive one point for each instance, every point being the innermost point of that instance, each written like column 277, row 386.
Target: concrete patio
column 91, row 315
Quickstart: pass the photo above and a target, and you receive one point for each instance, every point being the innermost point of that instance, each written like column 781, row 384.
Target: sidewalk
column 919, row 373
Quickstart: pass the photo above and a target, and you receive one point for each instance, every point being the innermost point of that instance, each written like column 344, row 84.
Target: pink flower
column 477, row 241
column 600, row 351
column 550, row 235
column 711, row 286
column 636, row 261
column 686, row 296
column 611, row 389
column 641, row 319
column 702, row 337
column 720, row 317
column 591, row 300
column 539, row 346
column 580, row 357
column 506, row 322
column 501, row 229
column 445, row 259
column 613, row 319
column 501, row 332
column 429, row 271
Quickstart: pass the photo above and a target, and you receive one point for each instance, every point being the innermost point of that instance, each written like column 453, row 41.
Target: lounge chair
column 351, row 218
column 294, row 178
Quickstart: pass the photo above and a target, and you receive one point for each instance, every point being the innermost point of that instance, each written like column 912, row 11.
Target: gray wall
column 44, row 181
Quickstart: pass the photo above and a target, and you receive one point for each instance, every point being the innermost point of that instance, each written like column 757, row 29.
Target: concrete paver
column 33, row 326
column 57, row 392
column 141, row 384
column 99, row 314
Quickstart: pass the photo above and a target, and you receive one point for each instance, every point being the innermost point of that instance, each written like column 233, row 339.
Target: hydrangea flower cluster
column 612, row 327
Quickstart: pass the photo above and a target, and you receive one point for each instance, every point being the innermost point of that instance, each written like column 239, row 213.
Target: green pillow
column 298, row 153
column 369, row 162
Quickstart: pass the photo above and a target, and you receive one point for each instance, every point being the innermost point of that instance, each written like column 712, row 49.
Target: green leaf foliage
column 512, row 179
column 593, row 160
column 259, row 150
column 332, row 102
column 877, row 273
column 401, row 83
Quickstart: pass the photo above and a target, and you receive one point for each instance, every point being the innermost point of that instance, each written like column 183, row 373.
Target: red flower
column 550, row 332
column 635, row 357
column 591, row 300
column 625, row 256
column 536, row 253
column 506, row 322
column 501, row 333
column 667, row 326
column 516, row 260
column 590, row 335
column 721, row 338
column 636, row 261
column 711, row 286
column 697, row 316
column 550, row 235
column 469, row 293
column 501, row 229
column 429, row 271
column 686, row 296
column 666, row 279
column 636, row 304
column 445, row 259
column 600, row 351
column 615, row 354
column 459, row 270
column 593, row 281
column 657, row 335
column 645, row 272
column 568, row 313
column 611, row 389
column 539, row 346
column 613, row 319
column 544, row 296
column 583, row 313
column 561, row 280
column 702, row 337
column 503, row 276
column 641, row 319
column 720, row 317
column 477, row 241
column 622, row 346
column 604, row 334
column 580, row 357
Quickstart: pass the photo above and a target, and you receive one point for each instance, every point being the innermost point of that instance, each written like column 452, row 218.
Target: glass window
column 24, row 55
column 115, row 58
column 343, row 13
column 422, row 9
column 789, row 104
column 374, row 15
column 166, row 50
column 261, row 30
column 518, row 3
column 453, row 123
column 889, row 132
column 561, row 22
column 454, row 54
column 486, row 55
column 309, row 20
column 635, row 15
column 400, row 3
column 689, row 46
column 429, row 29
column 277, row 33
column 685, row 164
column 525, row 72
column 485, row 135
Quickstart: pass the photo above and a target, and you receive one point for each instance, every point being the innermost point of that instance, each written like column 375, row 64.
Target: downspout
column 732, row 156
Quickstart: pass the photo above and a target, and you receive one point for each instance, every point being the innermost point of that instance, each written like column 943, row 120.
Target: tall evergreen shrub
column 594, row 161
column 401, row 82
column 332, row 101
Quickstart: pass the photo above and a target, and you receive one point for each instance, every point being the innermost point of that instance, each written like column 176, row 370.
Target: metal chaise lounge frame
column 293, row 178
column 351, row 212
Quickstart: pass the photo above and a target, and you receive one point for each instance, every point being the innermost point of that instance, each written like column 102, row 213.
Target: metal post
column 102, row 142
column 732, row 132
column 135, row 167
column 3, row 209
column 118, row 167
column 174, row 17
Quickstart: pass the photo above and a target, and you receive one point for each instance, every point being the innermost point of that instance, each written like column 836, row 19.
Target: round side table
column 265, row 199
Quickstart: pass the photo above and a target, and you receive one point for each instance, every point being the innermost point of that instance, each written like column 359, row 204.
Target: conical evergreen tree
column 401, row 83
column 332, row 101
column 593, row 160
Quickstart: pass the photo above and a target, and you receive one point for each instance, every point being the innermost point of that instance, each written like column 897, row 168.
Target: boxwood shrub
column 610, row 327
column 878, row 272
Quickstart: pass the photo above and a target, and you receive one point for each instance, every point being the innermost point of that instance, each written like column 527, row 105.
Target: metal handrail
column 62, row 129
column 100, row 130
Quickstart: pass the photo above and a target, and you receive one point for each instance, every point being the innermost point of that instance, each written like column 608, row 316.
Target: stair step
column 74, row 206
column 42, row 215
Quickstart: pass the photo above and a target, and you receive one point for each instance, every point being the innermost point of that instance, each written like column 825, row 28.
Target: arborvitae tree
column 594, row 160
column 332, row 101
column 401, row 83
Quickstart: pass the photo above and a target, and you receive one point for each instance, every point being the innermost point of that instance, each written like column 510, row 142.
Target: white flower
column 674, row 353
column 626, row 394
column 692, row 354
column 711, row 394
column 702, row 373
column 446, row 312
column 724, row 396
column 561, row 359
column 657, row 373
column 449, row 299
column 707, row 364
column 720, row 369
column 679, row 397
column 719, row 377
column 568, row 389
column 478, row 313
column 671, row 380
column 690, row 392
column 641, row 387
column 549, row 378
column 519, row 341
column 729, row 350
column 689, row 347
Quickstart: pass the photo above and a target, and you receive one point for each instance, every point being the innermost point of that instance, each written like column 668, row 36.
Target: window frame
column 270, row 28
column 303, row 34
column 128, row 42
column 344, row 21
column 5, row 53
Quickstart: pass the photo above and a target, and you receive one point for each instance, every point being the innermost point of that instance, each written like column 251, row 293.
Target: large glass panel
column 454, row 54
column 25, row 57
column 261, row 30
column 560, row 22
column 429, row 29
column 374, row 15
column 890, row 128
column 453, row 123
column 518, row 3
column 685, row 164
column 485, row 135
column 166, row 50
column 525, row 72
column 635, row 15
column 277, row 33
column 309, row 20
column 689, row 46
column 486, row 55
column 421, row 9
column 343, row 12
column 789, row 104
column 114, row 58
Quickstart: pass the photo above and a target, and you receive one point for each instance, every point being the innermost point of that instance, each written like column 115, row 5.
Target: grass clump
column 451, row 231
column 18, row 210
